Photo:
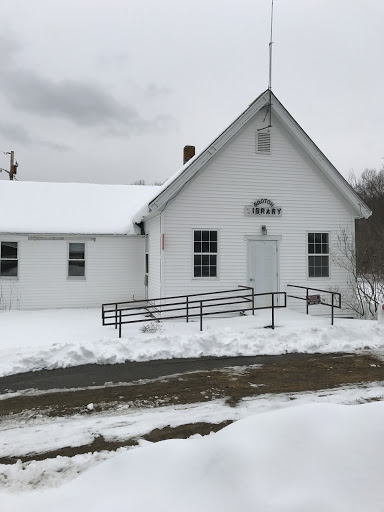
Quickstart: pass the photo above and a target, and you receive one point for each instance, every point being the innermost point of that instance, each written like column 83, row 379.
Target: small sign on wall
column 264, row 208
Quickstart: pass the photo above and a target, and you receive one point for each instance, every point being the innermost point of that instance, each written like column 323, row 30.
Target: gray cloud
column 54, row 145
column 156, row 124
column 113, row 60
column 84, row 104
column 15, row 133
column 9, row 47
column 155, row 90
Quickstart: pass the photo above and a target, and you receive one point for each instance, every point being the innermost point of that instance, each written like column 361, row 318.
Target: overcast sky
column 110, row 91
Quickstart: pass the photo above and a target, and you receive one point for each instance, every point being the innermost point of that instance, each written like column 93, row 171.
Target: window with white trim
column 8, row 259
column 76, row 259
column 204, row 253
column 318, row 254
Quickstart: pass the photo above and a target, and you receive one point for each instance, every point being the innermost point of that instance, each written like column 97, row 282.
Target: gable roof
column 72, row 208
column 173, row 185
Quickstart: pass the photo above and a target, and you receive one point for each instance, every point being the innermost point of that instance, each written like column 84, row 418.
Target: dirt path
column 289, row 374
column 284, row 375
column 99, row 374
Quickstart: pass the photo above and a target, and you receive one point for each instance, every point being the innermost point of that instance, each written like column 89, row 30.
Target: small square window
column 9, row 250
column 205, row 259
column 76, row 251
column 205, row 271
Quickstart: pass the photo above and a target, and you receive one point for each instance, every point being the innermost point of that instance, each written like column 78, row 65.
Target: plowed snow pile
column 306, row 458
column 33, row 340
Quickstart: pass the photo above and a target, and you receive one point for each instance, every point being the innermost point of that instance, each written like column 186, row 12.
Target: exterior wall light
column 264, row 230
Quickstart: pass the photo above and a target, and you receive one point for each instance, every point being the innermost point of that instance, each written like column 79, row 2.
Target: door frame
column 261, row 238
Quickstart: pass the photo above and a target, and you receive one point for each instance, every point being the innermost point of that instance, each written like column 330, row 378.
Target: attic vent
column 263, row 142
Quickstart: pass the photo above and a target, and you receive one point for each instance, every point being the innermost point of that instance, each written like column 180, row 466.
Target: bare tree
column 143, row 182
column 363, row 255
column 370, row 232
column 365, row 290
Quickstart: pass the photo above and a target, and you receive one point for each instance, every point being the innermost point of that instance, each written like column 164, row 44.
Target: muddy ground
column 283, row 375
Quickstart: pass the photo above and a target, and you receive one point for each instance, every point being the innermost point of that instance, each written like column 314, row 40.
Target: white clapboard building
column 260, row 206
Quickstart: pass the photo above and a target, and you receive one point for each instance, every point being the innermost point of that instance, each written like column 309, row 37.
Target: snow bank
column 314, row 457
column 33, row 340
column 49, row 472
column 72, row 207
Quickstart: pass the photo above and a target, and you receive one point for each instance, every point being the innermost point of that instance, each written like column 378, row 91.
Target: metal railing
column 312, row 300
column 188, row 307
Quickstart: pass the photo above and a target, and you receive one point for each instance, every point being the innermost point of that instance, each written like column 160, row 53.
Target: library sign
column 263, row 207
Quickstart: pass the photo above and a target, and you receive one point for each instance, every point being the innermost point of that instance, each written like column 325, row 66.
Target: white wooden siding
column 153, row 231
column 236, row 177
column 114, row 269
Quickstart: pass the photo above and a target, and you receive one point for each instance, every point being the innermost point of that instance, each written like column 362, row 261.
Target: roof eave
column 159, row 202
column 66, row 235
column 341, row 184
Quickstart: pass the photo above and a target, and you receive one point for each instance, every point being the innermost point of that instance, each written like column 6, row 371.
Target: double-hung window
column 204, row 253
column 76, row 260
column 8, row 259
column 318, row 254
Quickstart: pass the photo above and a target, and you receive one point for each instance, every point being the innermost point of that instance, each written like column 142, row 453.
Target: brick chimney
column 189, row 152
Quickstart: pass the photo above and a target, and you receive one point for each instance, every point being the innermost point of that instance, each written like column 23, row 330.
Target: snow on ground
column 317, row 457
column 33, row 340
column 50, row 472
column 20, row 436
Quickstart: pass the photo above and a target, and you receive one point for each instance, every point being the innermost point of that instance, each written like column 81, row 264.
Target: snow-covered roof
column 72, row 208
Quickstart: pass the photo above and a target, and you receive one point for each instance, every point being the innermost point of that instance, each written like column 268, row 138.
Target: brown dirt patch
column 99, row 443
column 286, row 375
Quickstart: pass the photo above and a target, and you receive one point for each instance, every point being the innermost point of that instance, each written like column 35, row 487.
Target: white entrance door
column 263, row 269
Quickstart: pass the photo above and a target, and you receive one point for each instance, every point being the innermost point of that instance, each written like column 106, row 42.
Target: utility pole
column 13, row 166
